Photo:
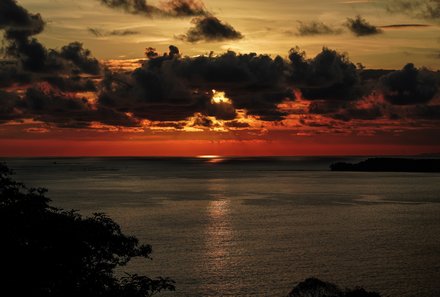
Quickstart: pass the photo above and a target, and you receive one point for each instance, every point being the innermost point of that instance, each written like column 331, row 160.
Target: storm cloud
column 360, row 27
column 210, row 28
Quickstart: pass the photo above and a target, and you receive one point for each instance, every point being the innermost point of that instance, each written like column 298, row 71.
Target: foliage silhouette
column 47, row 251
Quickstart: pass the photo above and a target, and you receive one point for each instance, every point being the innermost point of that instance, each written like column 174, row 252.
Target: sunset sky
column 186, row 77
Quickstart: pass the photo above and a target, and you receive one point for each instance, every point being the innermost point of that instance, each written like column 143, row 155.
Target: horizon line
column 217, row 156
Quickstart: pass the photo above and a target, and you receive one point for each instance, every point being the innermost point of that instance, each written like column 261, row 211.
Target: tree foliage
column 47, row 251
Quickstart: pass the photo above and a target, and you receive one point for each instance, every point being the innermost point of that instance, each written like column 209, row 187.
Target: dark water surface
column 256, row 226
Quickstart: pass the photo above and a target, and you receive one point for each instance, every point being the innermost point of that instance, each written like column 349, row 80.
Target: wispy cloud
column 316, row 28
column 100, row 33
column 170, row 8
column 423, row 9
column 404, row 26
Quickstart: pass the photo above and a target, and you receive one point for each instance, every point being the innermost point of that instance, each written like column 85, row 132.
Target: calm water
column 255, row 227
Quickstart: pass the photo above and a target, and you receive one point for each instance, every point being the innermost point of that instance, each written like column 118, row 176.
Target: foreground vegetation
column 47, row 251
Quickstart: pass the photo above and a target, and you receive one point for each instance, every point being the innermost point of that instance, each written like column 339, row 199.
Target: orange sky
column 323, row 145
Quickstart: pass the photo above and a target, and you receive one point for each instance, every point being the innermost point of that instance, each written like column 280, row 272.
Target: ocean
column 257, row 226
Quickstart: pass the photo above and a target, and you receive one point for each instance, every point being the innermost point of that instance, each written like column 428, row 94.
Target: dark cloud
column 323, row 107
column 18, row 22
column 31, row 62
column 28, row 61
column 183, row 8
column 368, row 108
column 426, row 112
column 19, row 26
column 253, row 82
column 30, row 55
column 170, row 8
column 315, row 28
column 330, row 76
column 81, row 58
column 152, row 91
column 123, row 32
column 202, row 121
column 71, row 84
column 359, row 113
column 222, row 111
column 96, row 32
column 69, row 111
column 101, row 33
column 132, row 6
column 373, row 74
column 11, row 74
column 210, row 28
column 409, row 86
column 8, row 102
column 175, row 125
column 237, row 124
column 407, row 94
column 170, row 87
column 55, row 108
column 360, row 27
column 424, row 9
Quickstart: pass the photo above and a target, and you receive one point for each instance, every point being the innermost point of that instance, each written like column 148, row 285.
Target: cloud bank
column 69, row 88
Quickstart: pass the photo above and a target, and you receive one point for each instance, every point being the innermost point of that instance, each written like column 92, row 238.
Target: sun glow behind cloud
column 220, row 97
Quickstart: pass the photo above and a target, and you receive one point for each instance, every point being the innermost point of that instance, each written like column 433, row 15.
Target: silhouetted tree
column 46, row 251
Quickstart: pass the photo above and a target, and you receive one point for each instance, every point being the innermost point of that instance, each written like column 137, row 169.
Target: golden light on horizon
column 208, row 156
column 212, row 159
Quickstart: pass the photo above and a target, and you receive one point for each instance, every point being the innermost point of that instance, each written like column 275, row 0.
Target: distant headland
column 390, row 165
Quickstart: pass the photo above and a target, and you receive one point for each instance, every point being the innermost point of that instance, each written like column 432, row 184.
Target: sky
column 188, row 78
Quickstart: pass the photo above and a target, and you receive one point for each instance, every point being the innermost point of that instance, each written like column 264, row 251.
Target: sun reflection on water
column 219, row 231
column 218, row 209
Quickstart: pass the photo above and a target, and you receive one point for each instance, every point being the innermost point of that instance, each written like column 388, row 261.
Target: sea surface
column 257, row 226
